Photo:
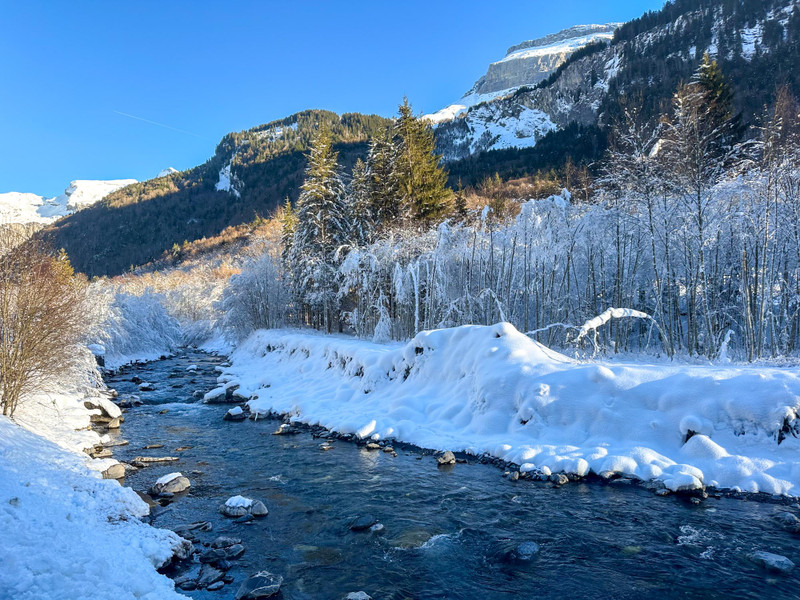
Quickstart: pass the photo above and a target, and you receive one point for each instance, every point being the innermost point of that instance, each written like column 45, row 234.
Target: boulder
column 173, row 483
column 209, row 575
column 447, row 458
column 358, row 596
column 235, row 414
column 261, row 585
column 225, row 542
column 362, row 523
column 788, row 521
column 115, row 471
column 772, row 562
column 239, row 506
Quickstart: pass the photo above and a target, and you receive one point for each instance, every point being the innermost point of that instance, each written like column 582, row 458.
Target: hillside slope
column 250, row 173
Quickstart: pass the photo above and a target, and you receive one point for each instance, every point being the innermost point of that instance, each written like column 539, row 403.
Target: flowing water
column 447, row 533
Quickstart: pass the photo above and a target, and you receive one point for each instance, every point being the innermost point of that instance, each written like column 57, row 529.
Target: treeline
column 691, row 222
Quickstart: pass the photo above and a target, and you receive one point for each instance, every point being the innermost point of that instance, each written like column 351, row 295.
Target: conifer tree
column 320, row 230
column 382, row 182
column 359, row 210
column 288, row 220
column 422, row 181
column 460, row 203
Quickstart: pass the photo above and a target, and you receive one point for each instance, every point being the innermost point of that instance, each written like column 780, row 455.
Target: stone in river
column 772, row 562
column 170, row 484
column 115, row 471
column 363, row 522
column 209, row 575
column 788, row 521
column 447, row 458
column 261, row 585
column 358, row 596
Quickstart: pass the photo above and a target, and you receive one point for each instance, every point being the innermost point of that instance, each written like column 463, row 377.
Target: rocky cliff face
column 530, row 62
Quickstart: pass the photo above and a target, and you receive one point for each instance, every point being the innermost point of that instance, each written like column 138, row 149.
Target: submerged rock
column 209, row 575
column 363, row 522
column 261, row 585
column 772, row 562
column 358, row 596
column 788, row 521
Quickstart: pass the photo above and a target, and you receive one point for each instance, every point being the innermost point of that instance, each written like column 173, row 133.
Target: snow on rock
column 73, row 533
column 165, row 172
column 238, row 502
column 227, row 181
column 16, row 207
column 491, row 389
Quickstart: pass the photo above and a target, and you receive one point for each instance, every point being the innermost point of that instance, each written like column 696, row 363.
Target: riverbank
column 492, row 391
column 69, row 529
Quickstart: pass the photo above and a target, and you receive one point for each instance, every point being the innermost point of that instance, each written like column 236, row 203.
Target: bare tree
column 42, row 318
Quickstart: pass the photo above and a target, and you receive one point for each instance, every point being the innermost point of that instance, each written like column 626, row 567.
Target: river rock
column 358, row 596
column 526, row 550
column 447, row 458
column 559, row 478
column 225, row 542
column 239, row 506
column 261, row 585
column 100, row 452
column 235, row 414
column 788, row 521
column 286, row 429
column 115, row 471
column 217, row 585
column 363, row 523
column 146, row 387
column 172, row 483
column 772, row 562
column 373, row 446
column 209, row 575
column 153, row 447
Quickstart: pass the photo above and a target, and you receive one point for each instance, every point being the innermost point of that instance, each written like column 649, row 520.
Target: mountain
column 517, row 130
column 165, row 172
column 20, row 207
column 757, row 44
column 526, row 64
column 249, row 175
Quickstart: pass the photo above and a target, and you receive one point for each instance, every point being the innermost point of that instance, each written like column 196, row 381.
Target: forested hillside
column 250, row 174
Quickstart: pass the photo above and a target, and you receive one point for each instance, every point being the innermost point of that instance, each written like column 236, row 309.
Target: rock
column 209, row 575
column 235, row 551
column 239, row 506
column 772, row 562
column 154, row 459
column 788, row 521
column 163, row 412
column 225, row 542
column 358, row 596
column 213, row 555
column 261, row 585
column 259, row 509
column 217, row 585
column 526, row 550
column 100, row 452
column 245, row 518
column 153, row 446
column 447, row 458
column 235, row 414
column 373, row 446
column 559, row 478
column 362, row 523
column 189, row 531
column 514, row 476
column 114, row 423
column 172, row 483
column 146, row 387
column 286, row 429
column 115, row 471
column 183, row 448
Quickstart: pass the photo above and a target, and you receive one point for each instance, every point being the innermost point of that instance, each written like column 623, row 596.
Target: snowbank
column 66, row 533
column 492, row 389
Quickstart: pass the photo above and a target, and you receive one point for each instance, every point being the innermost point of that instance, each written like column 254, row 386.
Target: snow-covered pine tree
column 422, row 182
column 384, row 195
column 321, row 229
column 359, row 208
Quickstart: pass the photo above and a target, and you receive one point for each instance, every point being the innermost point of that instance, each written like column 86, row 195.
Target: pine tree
column 384, row 195
column 422, row 181
column 320, row 231
column 718, row 94
column 288, row 220
column 359, row 210
column 460, row 203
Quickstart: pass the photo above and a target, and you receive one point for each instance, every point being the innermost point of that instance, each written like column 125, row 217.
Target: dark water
column 446, row 532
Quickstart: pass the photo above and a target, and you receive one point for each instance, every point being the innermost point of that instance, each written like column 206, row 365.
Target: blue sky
column 75, row 74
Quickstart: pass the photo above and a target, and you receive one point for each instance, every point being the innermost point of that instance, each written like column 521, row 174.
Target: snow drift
column 492, row 389
column 66, row 533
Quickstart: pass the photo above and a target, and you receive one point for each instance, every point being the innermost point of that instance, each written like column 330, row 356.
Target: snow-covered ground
column 492, row 389
column 65, row 532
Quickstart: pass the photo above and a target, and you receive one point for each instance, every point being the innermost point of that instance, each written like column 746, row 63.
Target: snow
column 225, row 183
column 448, row 113
column 751, row 38
column 239, row 502
column 165, row 172
column 74, row 535
column 492, row 129
column 16, row 207
column 490, row 389
column 567, row 46
column 167, row 478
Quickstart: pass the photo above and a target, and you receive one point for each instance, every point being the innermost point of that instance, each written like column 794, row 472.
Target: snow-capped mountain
column 165, row 172
column 517, row 102
column 18, row 207
column 526, row 64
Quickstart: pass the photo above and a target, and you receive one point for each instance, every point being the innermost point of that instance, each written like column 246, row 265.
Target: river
column 447, row 532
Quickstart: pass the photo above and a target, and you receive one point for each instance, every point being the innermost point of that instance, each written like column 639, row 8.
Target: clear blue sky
column 69, row 68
